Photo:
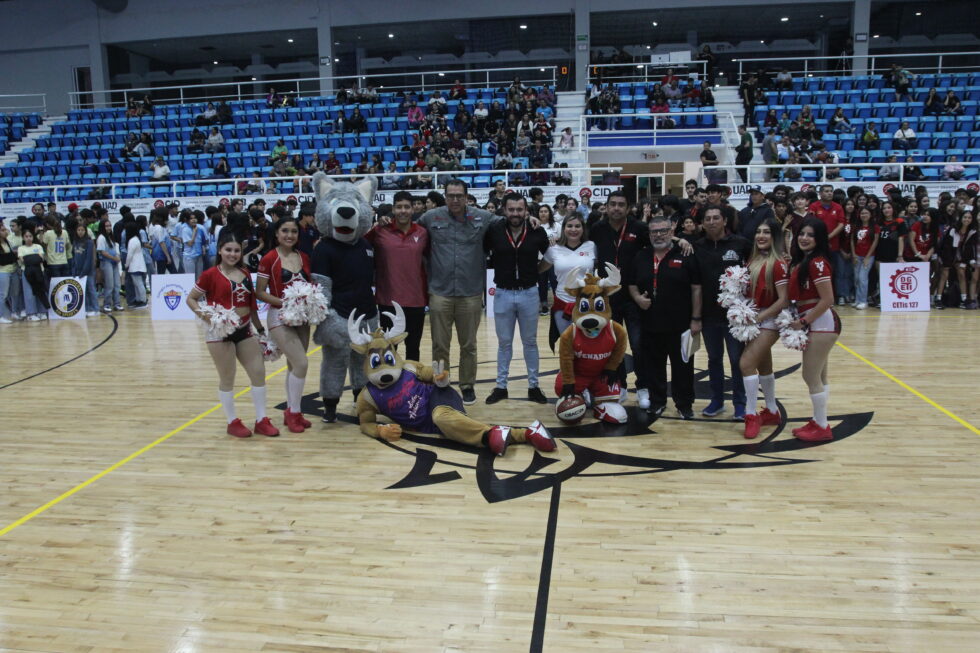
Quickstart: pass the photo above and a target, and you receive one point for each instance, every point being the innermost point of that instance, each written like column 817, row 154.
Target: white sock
column 751, row 384
column 826, row 391
column 768, row 384
column 228, row 404
column 294, row 392
column 819, row 402
column 258, row 400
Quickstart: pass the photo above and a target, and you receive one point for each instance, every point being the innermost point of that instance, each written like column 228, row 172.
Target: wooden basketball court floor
column 130, row 522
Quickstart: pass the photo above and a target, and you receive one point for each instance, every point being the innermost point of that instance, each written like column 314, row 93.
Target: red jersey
column 399, row 265
column 832, row 216
column 592, row 354
column 219, row 289
column 864, row 238
column 762, row 297
column 270, row 268
column 820, row 270
column 923, row 239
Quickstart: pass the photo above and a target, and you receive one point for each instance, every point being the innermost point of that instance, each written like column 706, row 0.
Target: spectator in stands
column 133, row 108
column 953, row 170
column 256, row 185
column 673, row 92
column 567, row 140
column 332, row 165
column 503, row 160
column 518, row 177
column 707, row 96
column 222, row 170
column 146, row 106
column 471, row 145
column 391, row 180
column 547, row 96
column 912, row 171
column 691, row 96
column 160, row 169
column 870, row 139
column 792, row 171
column 830, row 161
column 368, row 95
column 771, row 119
column 273, row 99
column 708, row 57
column 933, row 104
column 280, row 151
column 458, row 91
column 197, row 142
column 890, row 171
column 770, row 153
column 224, row 113
column 905, row 138
column 437, row 104
column 709, row 160
column 952, row 105
column 208, row 117
column 839, row 124
column 784, row 82
column 341, row 123
column 101, row 191
column 743, row 156
column 357, row 123
column 747, row 94
column 215, row 143
column 415, row 115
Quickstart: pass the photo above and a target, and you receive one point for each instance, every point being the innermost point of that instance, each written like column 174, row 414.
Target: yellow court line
column 111, row 468
column 918, row 394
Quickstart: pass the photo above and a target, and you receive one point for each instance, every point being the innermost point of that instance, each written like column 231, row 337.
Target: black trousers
column 658, row 347
column 414, row 325
column 741, row 159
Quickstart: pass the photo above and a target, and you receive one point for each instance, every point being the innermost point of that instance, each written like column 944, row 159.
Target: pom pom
column 732, row 284
column 221, row 322
column 270, row 350
column 303, row 303
column 745, row 332
column 742, row 312
column 791, row 338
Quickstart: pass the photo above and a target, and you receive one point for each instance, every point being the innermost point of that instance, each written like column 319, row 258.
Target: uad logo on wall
column 640, row 447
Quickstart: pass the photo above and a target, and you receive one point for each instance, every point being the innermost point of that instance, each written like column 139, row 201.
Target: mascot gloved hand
column 592, row 347
column 418, row 398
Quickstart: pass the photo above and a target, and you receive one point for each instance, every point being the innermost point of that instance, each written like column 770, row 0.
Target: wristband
column 695, row 319
column 804, row 322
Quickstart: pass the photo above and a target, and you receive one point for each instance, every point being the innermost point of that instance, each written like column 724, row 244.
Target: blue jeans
column 110, row 284
column 716, row 337
column 521, row 307
column 5, row 281
column 842, row 275
column 16, row 296
column 194, row 265
column 861, row 274
column 30, row 301
column 91, row 294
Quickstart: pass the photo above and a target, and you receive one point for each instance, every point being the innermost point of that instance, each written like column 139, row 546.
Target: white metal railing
column 778, row 168
column 307, row 86
column 40, row 100
column 845, row 64
column 639, row 71
column 438, row 177
column 655, row 130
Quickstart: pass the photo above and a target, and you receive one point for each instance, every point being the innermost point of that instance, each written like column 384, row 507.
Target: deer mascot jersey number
column 592, row 347
column 418, row 398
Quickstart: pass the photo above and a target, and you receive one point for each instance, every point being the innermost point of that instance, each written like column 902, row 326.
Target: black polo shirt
column 618, row 246
column 351, row 267
column 515, row 260
column 713, row 258
column 671, row 308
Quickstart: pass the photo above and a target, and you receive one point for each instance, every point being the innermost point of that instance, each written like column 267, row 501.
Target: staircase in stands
column 570, row 107
column 30, row 139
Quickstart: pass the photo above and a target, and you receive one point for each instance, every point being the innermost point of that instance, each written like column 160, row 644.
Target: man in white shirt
column 161, row 171
column 905, row 138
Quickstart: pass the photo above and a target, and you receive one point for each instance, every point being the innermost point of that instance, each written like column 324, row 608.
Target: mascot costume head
column 343, row 209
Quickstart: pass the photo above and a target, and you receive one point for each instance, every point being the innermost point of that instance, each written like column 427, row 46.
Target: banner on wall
column 67, row 298
column 904, row 287
column 740, row 192
column 169, row 296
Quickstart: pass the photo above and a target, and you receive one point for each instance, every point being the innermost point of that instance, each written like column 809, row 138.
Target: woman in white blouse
column 573, row 250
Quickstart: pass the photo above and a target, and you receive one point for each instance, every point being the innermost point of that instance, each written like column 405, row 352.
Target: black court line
column 115, row 327
column 544, row 582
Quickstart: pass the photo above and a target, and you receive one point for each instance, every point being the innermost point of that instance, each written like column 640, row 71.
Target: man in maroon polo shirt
column 832, row 215
column 399, row 273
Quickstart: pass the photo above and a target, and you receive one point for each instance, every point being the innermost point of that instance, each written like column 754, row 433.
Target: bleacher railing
column 935, row 62
column 971, row 168
column 430, row 80
column 439, row 178
column 643, row 72
column 24, row 102
column 724, row 123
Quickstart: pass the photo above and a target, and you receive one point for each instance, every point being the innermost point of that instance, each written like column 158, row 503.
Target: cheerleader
column 277, row 269
column 229, row 285
column 811, row 288
column 770, row 275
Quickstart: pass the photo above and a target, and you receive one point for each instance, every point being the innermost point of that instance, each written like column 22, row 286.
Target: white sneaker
column 34, row 318
column 92, row 314
column 4, row 320
column 21, row 316
column 861, row 306
column 643, row 398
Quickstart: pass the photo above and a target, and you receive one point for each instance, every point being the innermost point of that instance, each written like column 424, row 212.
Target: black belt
column 534, row 285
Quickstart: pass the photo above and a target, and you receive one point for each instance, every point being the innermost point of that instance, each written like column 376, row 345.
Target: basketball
column 571, row 409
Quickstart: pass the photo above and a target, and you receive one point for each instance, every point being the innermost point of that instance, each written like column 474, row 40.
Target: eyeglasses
column 659, row 232
column 455, row 196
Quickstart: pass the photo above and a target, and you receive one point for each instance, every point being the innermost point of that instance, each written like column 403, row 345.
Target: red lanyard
column 656, row 267
column 516, row 246
column 619, row 241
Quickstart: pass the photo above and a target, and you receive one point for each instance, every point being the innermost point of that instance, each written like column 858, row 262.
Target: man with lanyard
column 457, row 276
column 717, row 250
column 666, row 287
column 514, row 247
column 832, row 214
column 617, row 239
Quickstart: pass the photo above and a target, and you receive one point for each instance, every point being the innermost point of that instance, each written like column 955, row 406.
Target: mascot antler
column 574, row 279
column 358, row 336
column 397, row 322
column 612, row 276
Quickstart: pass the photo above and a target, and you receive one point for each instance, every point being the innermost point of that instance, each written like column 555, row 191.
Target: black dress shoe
column 495, row 396
column 656, row 411
column 469, row 397
column 330, row 411
column 535, row 395
column 686, row 413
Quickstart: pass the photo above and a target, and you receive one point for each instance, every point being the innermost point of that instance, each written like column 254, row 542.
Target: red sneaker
column 539, row 438
column 497, row 439
column 752, row 424
column 237, row 429
column 800, row 429
column 292, row 422
column 812, row 432
column 302, row 420
column 264, row 427
column 769, row 418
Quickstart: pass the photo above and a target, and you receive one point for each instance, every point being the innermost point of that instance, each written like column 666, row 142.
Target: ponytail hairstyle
column 801, row 259
column 53, row 223
column 758, row 260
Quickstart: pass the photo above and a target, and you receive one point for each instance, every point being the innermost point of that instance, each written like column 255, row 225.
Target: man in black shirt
column 666, row 287
column 514, row 246
column 757, row 212
column 718, row 250
column 617, row 240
